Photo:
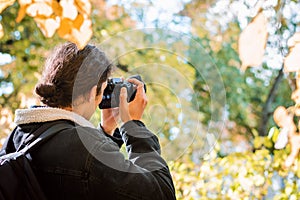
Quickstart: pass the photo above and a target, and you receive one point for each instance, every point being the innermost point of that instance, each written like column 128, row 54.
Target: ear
column 93, row 93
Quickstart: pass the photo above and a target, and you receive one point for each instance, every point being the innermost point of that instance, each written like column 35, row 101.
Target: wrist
column 126, row 118
column 107, row 130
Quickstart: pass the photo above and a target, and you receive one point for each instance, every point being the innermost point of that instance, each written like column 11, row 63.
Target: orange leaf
column 83, row 6
column 65, row 27
column 57, row 9
column 78, row 21
column 48, row 26
column 21, row 13
column 5, row 3
column 284, row 119
column 279, row 115
column 252, row 42
column 296, row 96
column 82, row 36
column 78, row 31
column 69, row 10
column 40, row 8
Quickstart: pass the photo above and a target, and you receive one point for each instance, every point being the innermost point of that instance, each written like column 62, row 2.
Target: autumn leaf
column 252, row 42
column 292, row 60
column 82, row 36
column 78, row 21
column 57, row 9
column 5, row 3
column 83, row 6
column 294, row 39
column 70, row 18
column 24, row 4
column 39, row 9
column 48, row 26
column 296, row 96
column 69, row 10
column 65, row 27
column 294, row 140
column 78, row 31
column 282, row 117
column 21, row 13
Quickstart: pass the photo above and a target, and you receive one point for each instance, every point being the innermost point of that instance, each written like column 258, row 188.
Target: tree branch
column 266, row 112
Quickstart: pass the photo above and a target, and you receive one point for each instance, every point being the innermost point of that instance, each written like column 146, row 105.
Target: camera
column 111, row 94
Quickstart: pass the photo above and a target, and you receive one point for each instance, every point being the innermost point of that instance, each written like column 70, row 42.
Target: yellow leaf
column 288, row 190
column 252, row 42
column 83, row 6
column 69, row 10
column 5, row 3
column 258, row 180
column 268, row 143
column 275, row 134
column 39, row 9
column 48, row 26
column 258, row 142
column 1, row 31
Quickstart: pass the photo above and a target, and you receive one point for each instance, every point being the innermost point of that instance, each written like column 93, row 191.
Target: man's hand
column 133, row 110
column 109, row 120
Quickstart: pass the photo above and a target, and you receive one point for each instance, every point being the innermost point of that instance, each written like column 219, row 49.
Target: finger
column 140, row 91
column 123, row 96
column 140, row 86
column 108, row 110
column 136, row 82
column 123, row 106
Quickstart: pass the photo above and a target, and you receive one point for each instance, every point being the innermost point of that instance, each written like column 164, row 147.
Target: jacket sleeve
column 144, row 175
column 116, row 137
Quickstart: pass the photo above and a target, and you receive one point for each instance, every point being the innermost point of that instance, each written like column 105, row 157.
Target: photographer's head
column 74, row 79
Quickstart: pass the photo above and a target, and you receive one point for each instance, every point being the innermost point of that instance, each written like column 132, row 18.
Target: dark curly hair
column 70, row 72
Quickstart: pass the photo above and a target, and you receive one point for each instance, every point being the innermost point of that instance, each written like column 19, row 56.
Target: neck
column 83, row 109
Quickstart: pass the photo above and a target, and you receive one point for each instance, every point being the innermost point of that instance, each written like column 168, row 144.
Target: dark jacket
column 85, row 163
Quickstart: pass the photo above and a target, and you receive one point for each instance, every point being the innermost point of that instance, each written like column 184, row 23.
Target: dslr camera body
column 111, row 94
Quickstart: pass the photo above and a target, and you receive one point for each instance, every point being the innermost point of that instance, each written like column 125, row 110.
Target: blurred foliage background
column 212, row 114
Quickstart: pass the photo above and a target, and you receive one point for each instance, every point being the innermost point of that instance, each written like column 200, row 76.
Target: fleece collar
column 44, row 114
